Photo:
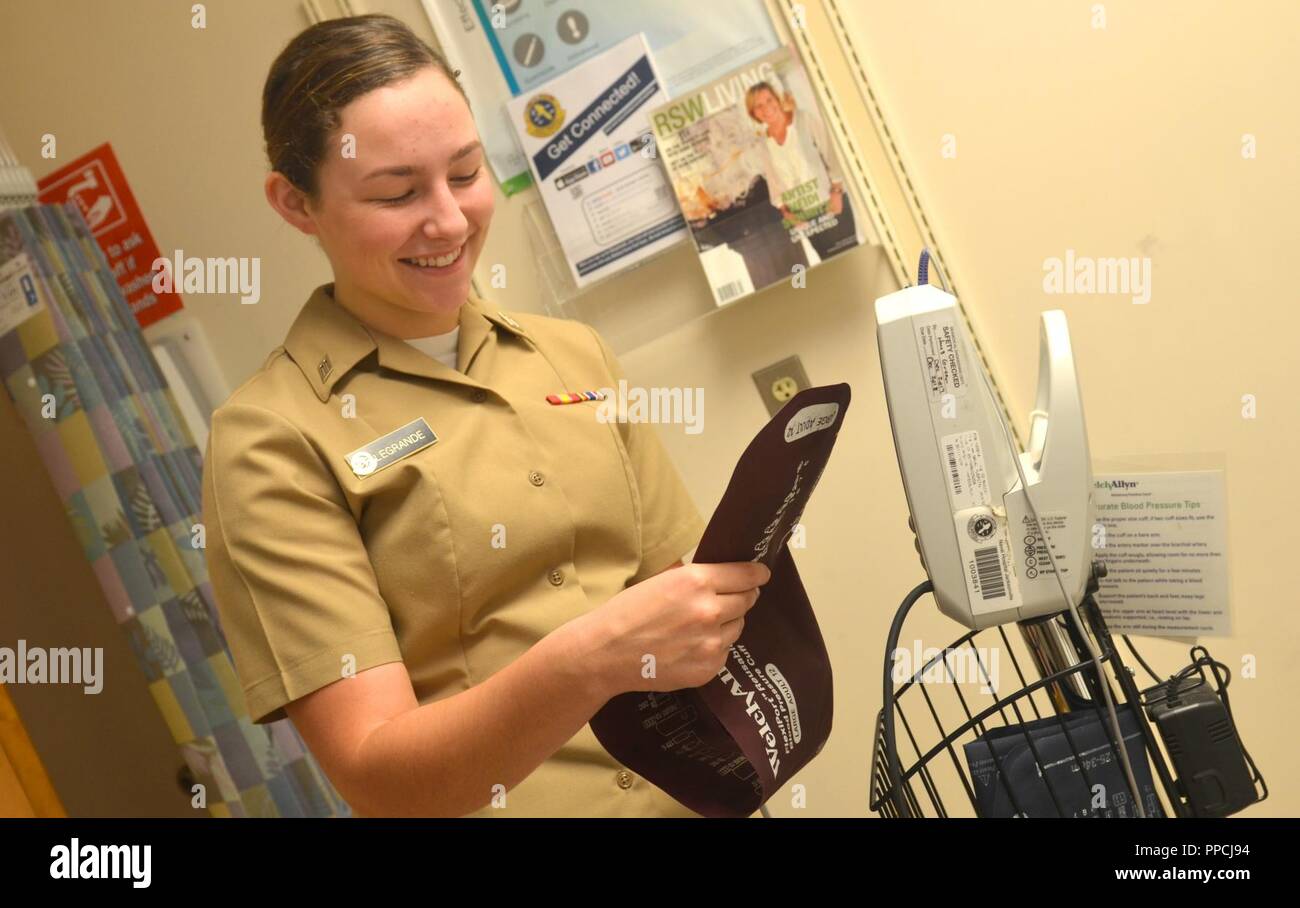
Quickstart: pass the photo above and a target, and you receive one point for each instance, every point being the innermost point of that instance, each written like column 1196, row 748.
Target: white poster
column 587, row 139
column 1163, row 538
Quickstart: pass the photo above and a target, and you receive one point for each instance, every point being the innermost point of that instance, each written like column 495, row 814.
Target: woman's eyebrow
column 405, row 170
column 472, row 146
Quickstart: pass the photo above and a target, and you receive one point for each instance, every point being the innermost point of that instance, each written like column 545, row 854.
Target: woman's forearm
column 446, row 758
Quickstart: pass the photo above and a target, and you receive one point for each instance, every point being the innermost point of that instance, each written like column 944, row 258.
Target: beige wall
column 1127, row 141
column 1066, row 138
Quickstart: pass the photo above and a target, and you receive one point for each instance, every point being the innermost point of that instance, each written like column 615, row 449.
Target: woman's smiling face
column 767, row 109
column 405, row 201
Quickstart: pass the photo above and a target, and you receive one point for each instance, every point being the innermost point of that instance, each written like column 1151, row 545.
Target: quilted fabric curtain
column 127, row 470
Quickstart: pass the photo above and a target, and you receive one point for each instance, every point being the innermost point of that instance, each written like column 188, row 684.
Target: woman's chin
column 437, row 292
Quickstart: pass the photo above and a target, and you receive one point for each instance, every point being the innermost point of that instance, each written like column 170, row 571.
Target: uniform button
column 536, row 478
column 556, row 576
column 624, row 779
column 478, row 396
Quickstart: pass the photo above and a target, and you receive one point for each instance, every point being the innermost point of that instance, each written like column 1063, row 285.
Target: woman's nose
column 444, row 217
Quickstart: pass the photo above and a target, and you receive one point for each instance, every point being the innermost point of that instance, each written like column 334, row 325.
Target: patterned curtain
column 110, row 434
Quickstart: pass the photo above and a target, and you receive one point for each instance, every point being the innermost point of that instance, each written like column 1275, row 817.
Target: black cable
column 891, row 751
column 1138, row 656
column 1199, row 662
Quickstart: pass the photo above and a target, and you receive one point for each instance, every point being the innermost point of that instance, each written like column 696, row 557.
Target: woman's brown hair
column 320, row 72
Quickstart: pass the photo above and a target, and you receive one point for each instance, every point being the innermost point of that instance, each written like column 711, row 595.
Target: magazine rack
column 933, row 763
column 615, row 305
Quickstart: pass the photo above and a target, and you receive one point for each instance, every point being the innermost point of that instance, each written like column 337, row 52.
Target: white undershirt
column 441, row 347
column 796, row 162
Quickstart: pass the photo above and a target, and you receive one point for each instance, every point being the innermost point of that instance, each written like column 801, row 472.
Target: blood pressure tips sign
column 589, row 146
column 1164, row 539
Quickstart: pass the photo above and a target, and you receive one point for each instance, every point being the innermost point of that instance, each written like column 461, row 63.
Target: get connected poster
column 588, row 142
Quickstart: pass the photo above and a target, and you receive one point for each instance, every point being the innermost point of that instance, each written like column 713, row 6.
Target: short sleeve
column 292, row 580
column 671, row 524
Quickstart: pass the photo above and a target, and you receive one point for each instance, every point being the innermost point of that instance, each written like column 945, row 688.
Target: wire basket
column 1040, row 746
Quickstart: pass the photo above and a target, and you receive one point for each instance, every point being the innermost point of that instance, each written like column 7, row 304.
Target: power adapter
column 1202, row 742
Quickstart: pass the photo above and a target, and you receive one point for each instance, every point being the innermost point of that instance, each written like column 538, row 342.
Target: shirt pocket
column 591, row 463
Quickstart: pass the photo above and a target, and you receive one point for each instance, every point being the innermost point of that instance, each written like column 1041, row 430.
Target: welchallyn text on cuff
column 724, row 748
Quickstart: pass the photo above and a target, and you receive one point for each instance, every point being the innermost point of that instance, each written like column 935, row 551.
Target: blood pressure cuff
column 724, row 748
column 1010, row 781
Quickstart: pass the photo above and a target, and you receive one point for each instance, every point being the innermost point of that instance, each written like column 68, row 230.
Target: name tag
column 389, row 449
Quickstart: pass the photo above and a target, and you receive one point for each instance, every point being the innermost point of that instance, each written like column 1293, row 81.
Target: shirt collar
column 326, row 342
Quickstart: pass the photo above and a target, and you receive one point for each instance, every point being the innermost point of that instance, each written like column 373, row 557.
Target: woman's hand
column 670, row 631
column 792, row 219
column 837, row 199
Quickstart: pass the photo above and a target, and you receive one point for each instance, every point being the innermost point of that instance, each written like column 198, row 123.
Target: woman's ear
column 289, row 202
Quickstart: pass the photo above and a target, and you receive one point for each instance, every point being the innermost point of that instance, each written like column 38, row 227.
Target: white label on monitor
column 939, row 345
column 986, row 561
column 1037, row 563
column 963, row 463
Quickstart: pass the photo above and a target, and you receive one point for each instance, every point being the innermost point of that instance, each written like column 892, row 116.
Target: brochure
column 591, row 154
column 757, row 176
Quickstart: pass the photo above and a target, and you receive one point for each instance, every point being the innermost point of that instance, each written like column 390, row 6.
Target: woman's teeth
column 441, row 261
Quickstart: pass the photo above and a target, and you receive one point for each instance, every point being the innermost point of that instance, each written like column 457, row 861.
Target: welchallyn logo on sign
column 1114, row 484
column 388, row 450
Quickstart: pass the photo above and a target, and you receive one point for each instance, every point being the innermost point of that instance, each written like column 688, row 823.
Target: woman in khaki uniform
column 437, row 574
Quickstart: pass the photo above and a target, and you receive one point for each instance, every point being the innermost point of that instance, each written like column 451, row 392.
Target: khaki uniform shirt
column 455, row 559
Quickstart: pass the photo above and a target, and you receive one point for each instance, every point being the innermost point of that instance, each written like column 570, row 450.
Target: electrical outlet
column 779, row 382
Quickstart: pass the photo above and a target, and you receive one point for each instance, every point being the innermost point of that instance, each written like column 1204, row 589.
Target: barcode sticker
column 730, row 291
column 968, row 481
column 984, row 541
column 988, row 567
column 951, row 452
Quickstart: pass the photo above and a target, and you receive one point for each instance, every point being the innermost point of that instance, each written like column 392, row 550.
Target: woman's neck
column 395, row 321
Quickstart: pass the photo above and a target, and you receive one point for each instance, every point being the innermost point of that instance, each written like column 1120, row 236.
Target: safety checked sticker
column 936, row 340
column 985, row 547
column 968, row 481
